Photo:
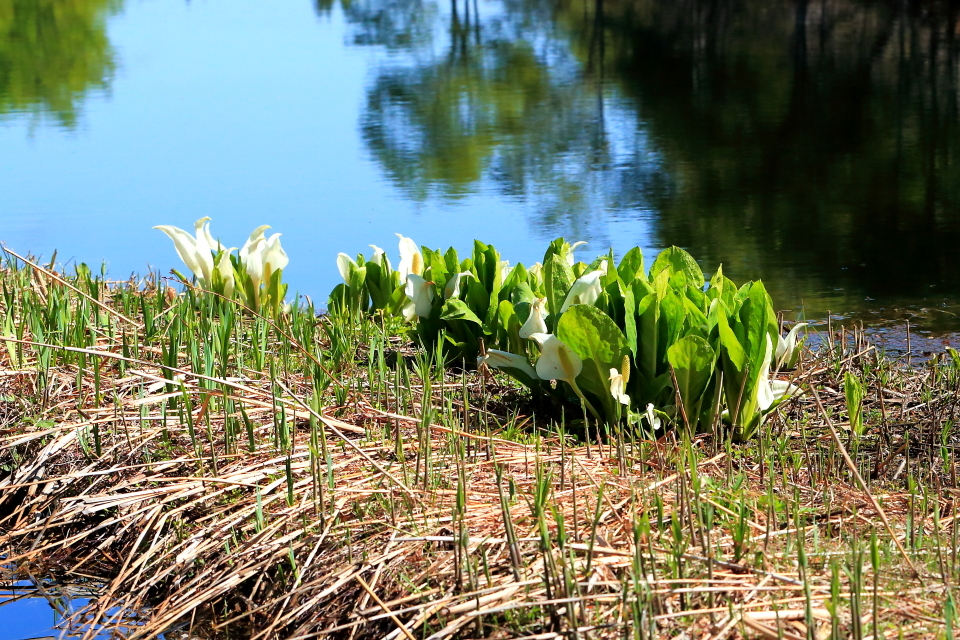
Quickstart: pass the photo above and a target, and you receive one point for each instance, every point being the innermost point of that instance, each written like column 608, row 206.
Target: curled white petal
column 420, row 292
column 786, row 347
column 570, row 259
column 617, row 387
column 411, row 260
column 557, row 361
column 585, row 290
column 273, row 254
column 344, row 262
column 535, row 321
column 504, row 269
column 214, row 244
column 186, row 246
column 251, row 257
column 452, row 289
column 225, row 269
column 496, row 359
column 781, row 388
column 652, row 419
column 256, row 236
column 764, row 392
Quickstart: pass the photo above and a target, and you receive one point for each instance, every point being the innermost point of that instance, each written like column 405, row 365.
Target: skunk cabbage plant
column 613, row 338
column 254, row 276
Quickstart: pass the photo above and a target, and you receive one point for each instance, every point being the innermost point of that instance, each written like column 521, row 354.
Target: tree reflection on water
column 492, row 103
column 813, row 144
column 52, row 53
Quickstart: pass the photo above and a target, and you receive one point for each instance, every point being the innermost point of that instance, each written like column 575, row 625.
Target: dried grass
column 412, row 524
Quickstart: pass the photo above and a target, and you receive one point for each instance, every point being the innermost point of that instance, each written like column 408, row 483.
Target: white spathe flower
column 380, row 258
column 409, row 310
column 781, row 388
column 195, row 252
column 411, row 260
column 205, row 229
column 786, row 347
column 618, row 383
column 535, row 321
column 586, row 289
column 452, row 289
column 557, row 361
column 764, row 391
column 255, row 237
column 273, row 254
column 769, row 391
column 344, row 262
column 262, row 256
column 504, row 270
column 496, row 359
column 652, row 419
column 536, row 270
column 419, row 292
column 570, row 259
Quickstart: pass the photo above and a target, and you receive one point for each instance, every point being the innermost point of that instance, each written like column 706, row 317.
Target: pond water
column 38, row 610
column 813, row 144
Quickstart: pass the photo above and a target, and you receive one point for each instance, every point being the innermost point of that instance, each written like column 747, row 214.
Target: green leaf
column 478, row 299
column 522, row 293
column 558, row 247
column 557, row 280
column 456, row 309
column 508, row 333
column 693, row 361
column 631, row 266
column 600, row 343
column 374, row 276
column 452, row 261
column 853, row 389
column 676, row 260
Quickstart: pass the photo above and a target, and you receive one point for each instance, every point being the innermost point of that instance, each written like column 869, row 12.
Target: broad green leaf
column 521, row 294
column 593, row 336
column 509, row 328
column 557, row 280
column 452, row 261
column 728, row 340
column 434, row 264
column 677, row 260
column 375, row 281
column 456, row 309
column 631, row 266
column 477, row 297
column 693, row 361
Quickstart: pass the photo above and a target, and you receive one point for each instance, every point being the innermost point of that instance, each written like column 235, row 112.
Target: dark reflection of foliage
column 52, row 52
column 393, row 24
column 493, row 103
column 815, row 144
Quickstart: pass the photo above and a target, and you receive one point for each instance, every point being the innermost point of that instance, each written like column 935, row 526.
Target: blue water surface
column 248, row 112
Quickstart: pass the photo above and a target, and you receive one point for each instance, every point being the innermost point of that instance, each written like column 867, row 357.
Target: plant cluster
column 627, row 344
column 254, row 276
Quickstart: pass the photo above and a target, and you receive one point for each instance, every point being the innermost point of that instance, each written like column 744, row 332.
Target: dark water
column 811, row 144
